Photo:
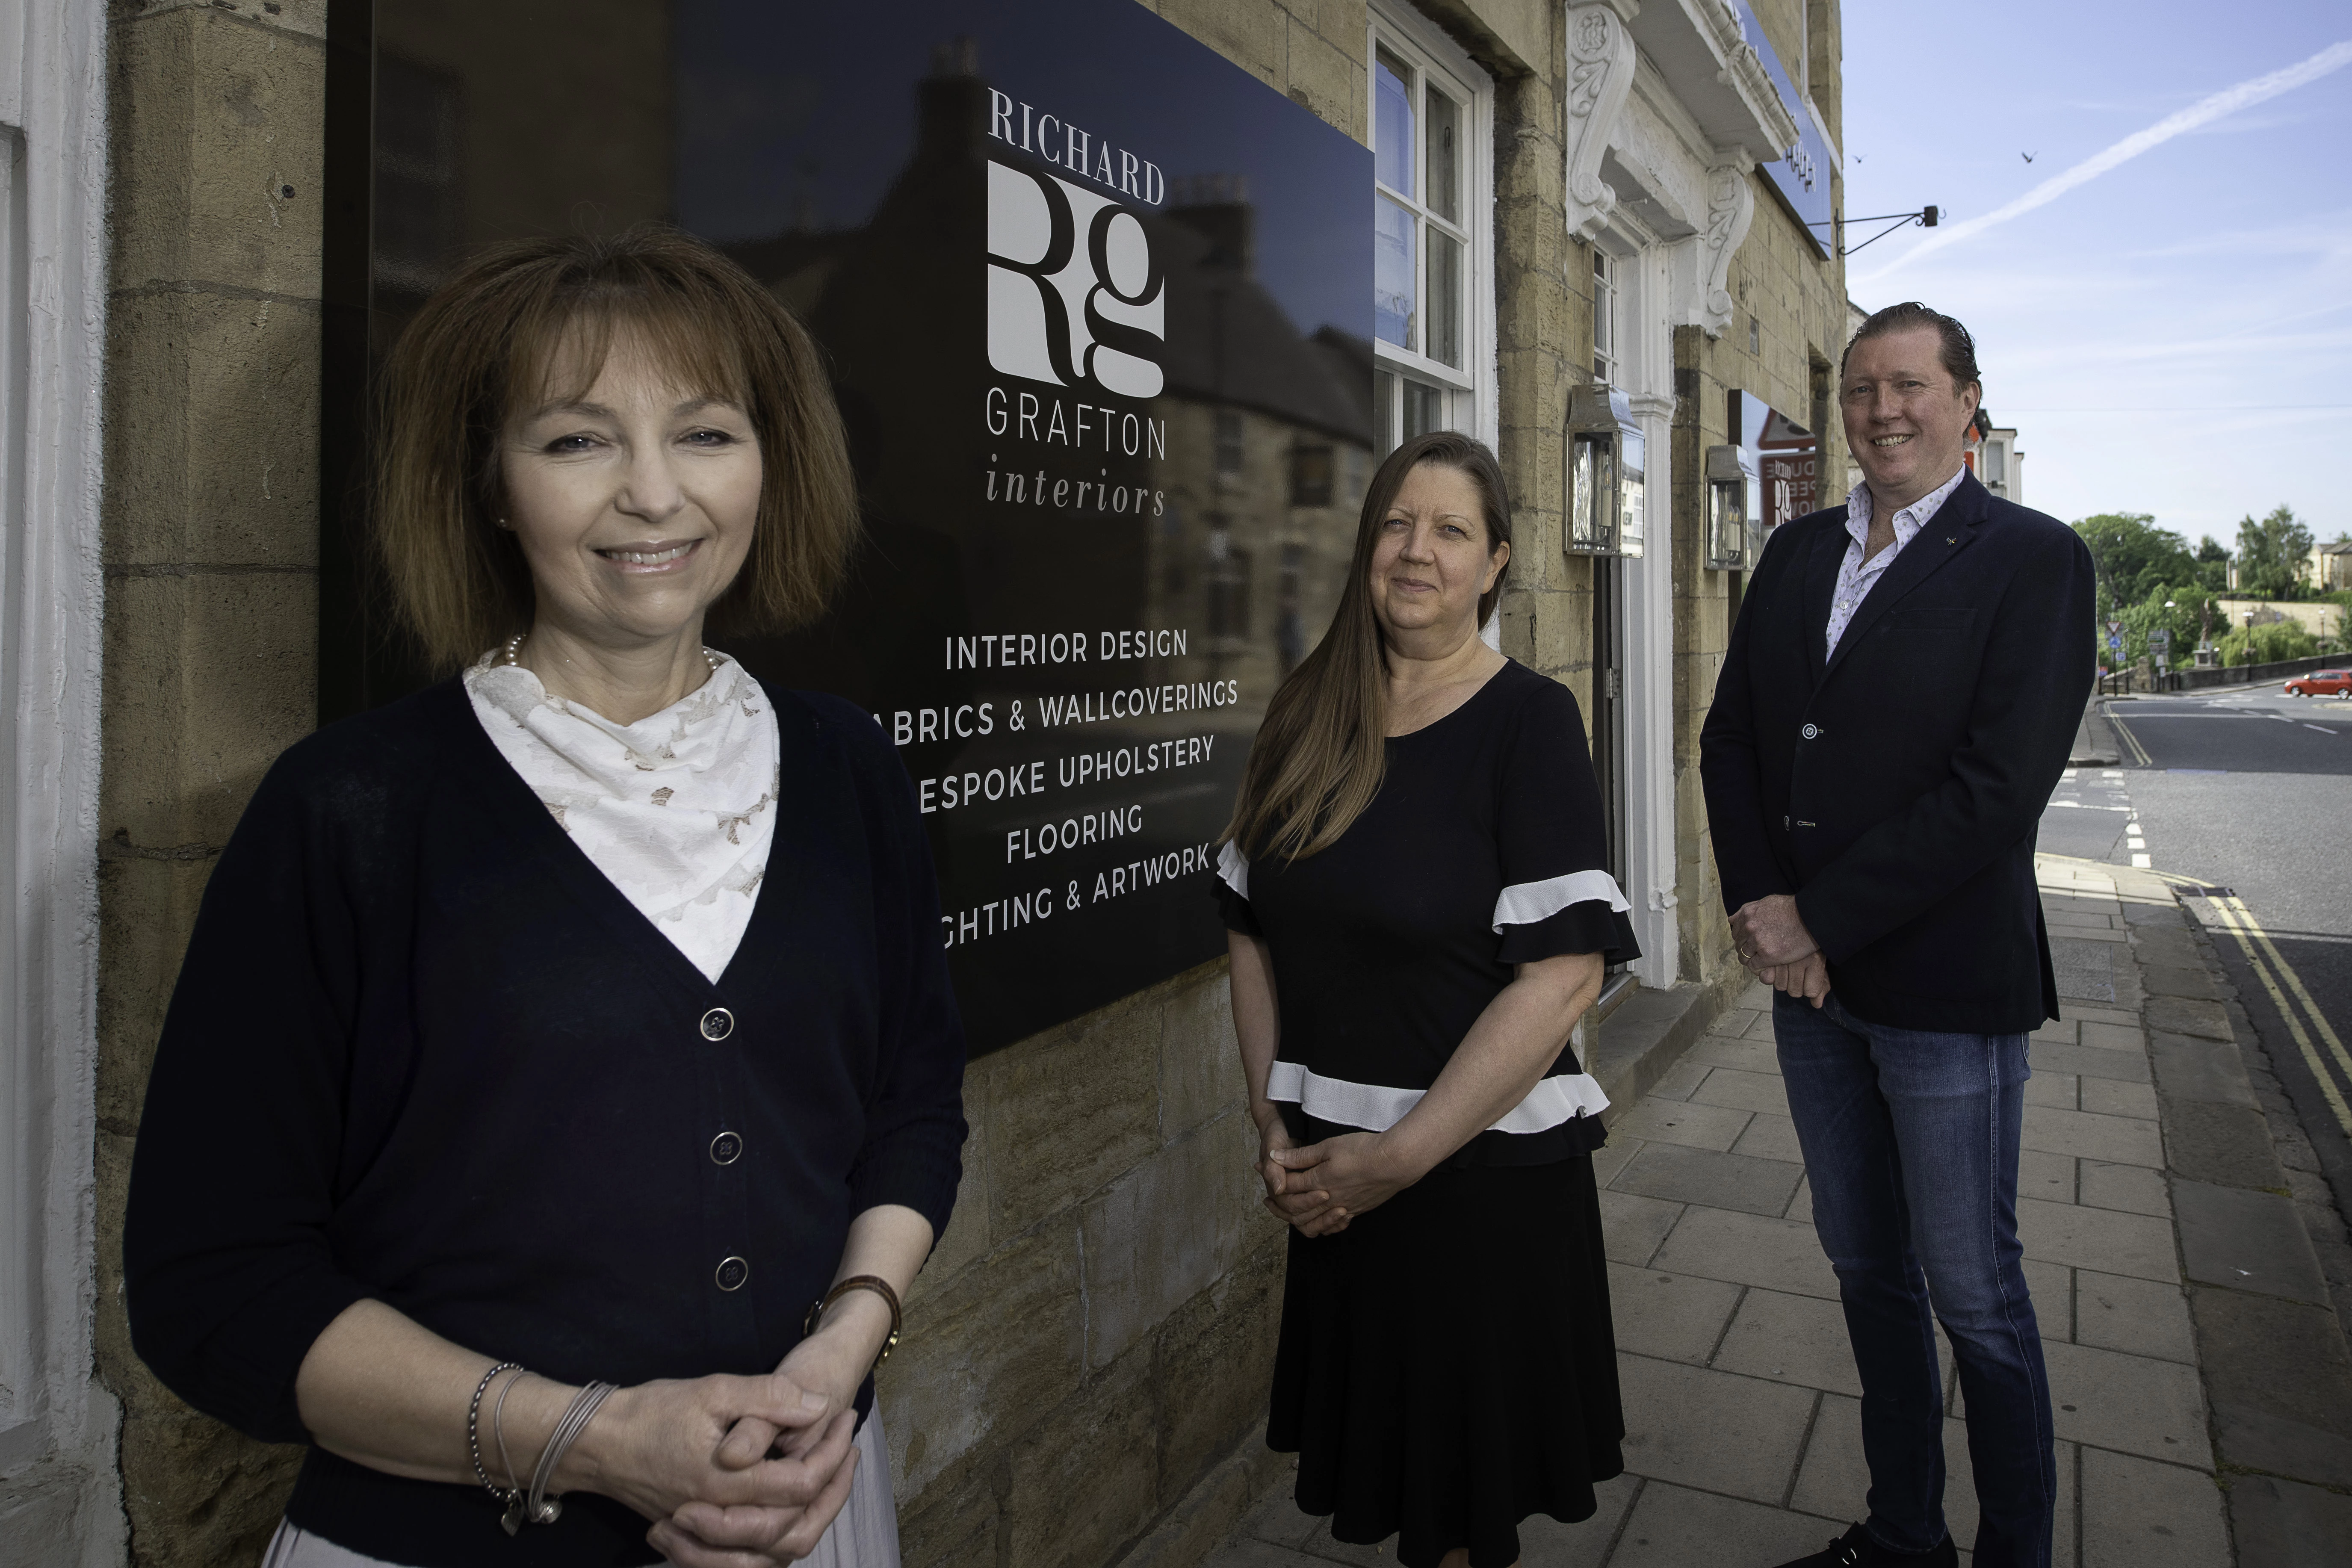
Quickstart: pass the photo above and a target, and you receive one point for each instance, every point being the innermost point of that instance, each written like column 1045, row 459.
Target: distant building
column 1992, row 452
column 2331, row 566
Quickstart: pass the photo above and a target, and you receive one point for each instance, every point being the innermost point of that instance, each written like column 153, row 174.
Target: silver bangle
column 540, row 1508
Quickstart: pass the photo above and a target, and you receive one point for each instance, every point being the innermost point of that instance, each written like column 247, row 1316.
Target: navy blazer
column 423, row 1050
column 1895, row 787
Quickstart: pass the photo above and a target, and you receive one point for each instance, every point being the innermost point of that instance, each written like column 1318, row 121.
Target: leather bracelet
column 881, row 1287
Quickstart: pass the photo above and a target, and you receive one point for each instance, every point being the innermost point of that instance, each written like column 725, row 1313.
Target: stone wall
column 211, row 543
column 1796, row 298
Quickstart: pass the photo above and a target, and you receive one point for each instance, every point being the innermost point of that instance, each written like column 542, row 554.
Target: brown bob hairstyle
column 491, row 342
column 1320, row 755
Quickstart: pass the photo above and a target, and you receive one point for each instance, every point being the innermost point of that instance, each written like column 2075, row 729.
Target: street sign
column 2115, row 643
column 2159, row 638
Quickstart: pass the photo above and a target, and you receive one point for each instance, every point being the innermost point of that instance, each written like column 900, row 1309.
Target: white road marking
column 2321, row 728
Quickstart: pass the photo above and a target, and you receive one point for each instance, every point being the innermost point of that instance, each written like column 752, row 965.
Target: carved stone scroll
column 1731, row 208
column 1600, row 78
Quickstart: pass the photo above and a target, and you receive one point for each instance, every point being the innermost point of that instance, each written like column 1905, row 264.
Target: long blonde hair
column 1320, row 755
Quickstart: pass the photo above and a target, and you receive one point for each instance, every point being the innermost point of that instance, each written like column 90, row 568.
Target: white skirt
column 864, row 1534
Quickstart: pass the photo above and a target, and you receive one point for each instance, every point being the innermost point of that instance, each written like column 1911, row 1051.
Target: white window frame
column 1469, row 392
column 1608, row 317
column 52, row 335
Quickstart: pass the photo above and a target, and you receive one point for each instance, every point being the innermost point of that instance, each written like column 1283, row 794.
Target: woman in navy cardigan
column 562, row 1084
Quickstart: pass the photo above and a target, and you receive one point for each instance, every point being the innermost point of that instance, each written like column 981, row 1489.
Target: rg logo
column 1075, row 297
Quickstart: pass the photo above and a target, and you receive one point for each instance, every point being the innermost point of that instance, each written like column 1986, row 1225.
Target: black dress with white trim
column 1482, row 850
column 1446, row 1365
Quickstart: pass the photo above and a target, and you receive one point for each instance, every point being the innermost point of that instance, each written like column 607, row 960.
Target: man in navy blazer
column 1900, row 696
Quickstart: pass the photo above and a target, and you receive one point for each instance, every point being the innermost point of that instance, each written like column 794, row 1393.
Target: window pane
column 1384, row 413
column 1443, row 164
column 1393, row 122
column 1444, row 299
column 1393, row 294
column 1425, row 409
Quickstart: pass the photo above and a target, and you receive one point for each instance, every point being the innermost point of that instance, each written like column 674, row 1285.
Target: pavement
column 2201, row 1383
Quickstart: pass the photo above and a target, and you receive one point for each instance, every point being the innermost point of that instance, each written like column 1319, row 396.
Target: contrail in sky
column 2228, row 101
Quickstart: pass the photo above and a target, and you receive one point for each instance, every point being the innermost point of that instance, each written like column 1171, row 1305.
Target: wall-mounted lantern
column 1605, row 464
column 1735, row 525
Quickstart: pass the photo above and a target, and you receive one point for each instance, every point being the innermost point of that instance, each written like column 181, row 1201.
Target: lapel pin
column 1951, row 538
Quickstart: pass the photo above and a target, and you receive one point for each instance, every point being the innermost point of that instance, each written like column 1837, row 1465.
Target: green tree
column 2273, row 555
column 2133, row 558
column 2272, row 643
column 2213, row 564
column 2179, row 609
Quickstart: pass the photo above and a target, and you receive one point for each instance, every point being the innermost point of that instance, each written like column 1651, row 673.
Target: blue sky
column 2173, row 336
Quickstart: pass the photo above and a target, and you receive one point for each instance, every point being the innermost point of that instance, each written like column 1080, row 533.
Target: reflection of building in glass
column 454, row 81
column 1255, row 543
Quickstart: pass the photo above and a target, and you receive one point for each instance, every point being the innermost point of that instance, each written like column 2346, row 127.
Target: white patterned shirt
column 1856, row 577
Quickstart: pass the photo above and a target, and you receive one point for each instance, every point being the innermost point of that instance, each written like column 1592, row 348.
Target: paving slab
column 2139, row 1514
column 2128, row 1403
column 1713, row 1430
column 2210, row 1070
column 1679, row 1080
column 1633, row 1225
column 2120, row 1140
column 1791, row 1339
column 2134, row 1189
column 2278, row 1521
column 2059, row 1088
column 1743, row 1091
column 1722, row 1180
column 1672, row 1317
column 1693, row 1126
column 2086, row 1061
column 1676, row 1527
column 2142, row 1317
column 1749, row 1249
column 1770, row 1137
column 2101, row 1034
column 2246, row 1240
column 2105, row 1239
column 2050, row 1178
column 2115, row 1097
column 1747, row 1056
column 1610, row 1157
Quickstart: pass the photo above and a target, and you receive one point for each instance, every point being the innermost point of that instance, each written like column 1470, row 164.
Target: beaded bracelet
column 474, row 1426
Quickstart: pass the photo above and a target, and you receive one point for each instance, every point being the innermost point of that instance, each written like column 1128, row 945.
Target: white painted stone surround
column 59, row 1499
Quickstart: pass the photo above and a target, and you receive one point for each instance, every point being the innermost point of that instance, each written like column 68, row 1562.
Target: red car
column 2322, row 683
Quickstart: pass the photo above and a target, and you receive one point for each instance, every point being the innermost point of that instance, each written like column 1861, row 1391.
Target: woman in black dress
column 1419, row 910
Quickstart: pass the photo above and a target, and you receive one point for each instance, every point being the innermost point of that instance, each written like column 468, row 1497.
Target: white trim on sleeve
column 1234, row 868
column 1525, row 903
column 1376, row 1108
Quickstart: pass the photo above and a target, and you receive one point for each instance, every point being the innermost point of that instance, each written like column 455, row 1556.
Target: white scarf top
column 677, row 809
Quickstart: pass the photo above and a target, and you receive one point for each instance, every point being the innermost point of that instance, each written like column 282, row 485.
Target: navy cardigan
column 422, row 1050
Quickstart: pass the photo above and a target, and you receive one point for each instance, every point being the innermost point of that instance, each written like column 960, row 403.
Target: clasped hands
column 1774, row 945
column 1319, row 1188
column 736, row 1472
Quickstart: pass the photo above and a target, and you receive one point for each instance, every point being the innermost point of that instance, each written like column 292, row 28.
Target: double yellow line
column 2279, row 978
column 2135, row 754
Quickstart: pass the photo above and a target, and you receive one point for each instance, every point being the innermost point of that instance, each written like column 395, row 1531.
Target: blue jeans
column 1910, row 1140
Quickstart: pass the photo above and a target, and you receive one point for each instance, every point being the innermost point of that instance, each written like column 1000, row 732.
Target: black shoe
column 1855, row 1548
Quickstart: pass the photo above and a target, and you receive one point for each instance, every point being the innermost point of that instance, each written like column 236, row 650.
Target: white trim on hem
column 1376, row 1107
column 1525, row 903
